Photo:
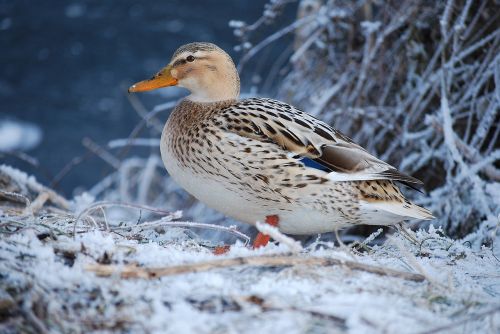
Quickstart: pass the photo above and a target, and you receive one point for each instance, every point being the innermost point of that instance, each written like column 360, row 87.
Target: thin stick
column 104, row 204
column 68, row 168
column 37, row 204
column 143, row 113
column 148, row 142
column 131, row 271
column 274, row 233
column 13, row 196
column 166, row 222
column 280, row 33
column 105, row 219
column 101, row 152
column 163, row 221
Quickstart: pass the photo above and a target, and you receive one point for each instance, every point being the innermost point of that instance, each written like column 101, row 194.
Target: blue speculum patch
column 313, row 164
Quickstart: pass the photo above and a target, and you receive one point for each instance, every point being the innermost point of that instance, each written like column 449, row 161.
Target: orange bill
column 161, row 79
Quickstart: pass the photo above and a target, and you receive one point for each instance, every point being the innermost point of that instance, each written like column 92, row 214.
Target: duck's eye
column 190, row 58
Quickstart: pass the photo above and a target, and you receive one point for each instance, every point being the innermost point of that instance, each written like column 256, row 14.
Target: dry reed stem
column 131, row 271
column 37, row 204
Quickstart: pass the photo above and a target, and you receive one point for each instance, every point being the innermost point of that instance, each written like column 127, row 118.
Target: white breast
column 223, row 196
column 213, row 193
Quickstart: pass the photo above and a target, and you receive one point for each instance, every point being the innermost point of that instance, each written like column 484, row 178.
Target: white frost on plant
column 21, row 177
column 82, row 202
column 236, row 24
column 54, row 273
column 370, row 27
column 426, row 105
column 273, row 232
column 17, row 135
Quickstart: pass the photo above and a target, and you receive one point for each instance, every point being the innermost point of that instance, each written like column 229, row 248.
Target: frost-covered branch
column 414, row 82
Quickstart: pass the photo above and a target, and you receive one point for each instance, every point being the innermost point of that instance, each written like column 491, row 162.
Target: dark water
column 65, row 66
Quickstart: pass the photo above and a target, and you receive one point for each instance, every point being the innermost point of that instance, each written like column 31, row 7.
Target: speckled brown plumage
column 246, row 146
column 254, row 158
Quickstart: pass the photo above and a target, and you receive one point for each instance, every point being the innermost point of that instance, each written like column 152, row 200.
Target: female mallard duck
column 250, row 158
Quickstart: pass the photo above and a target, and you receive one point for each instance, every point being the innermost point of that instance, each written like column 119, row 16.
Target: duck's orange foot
column 263, row 239
column 219, row 250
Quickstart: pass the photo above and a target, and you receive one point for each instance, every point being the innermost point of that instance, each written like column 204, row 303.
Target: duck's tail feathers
column 394, row 211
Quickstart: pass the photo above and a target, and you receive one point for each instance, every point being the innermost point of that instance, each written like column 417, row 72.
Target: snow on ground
column 48, row 283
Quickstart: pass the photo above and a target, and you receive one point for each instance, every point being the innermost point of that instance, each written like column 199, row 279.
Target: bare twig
column 274, row 233
column 16, row 197
column 166, row 222
column 131, row 271
column 272, row 38
column 148, row 142
column 104, row 204
column 68, row 168
column 149, row 118
column 161, row 222
column 38, row 203
column 101, row 152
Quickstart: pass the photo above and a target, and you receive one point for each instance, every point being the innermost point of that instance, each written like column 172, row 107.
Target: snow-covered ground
column 50, row 283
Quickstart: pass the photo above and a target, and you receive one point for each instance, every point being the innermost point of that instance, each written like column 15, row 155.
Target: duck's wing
column 276, row 122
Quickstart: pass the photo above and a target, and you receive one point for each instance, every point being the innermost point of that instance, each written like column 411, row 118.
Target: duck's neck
column 188, row 112
column 189, row 115
column 212, row 98
column 188, row 105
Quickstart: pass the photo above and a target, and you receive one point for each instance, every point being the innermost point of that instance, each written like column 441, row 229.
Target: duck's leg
column 262, row 239
column 219, row 250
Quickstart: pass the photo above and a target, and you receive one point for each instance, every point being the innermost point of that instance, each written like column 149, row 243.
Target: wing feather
column 306, row 136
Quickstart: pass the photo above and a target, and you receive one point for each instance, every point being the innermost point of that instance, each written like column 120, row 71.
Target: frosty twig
column 132, row 271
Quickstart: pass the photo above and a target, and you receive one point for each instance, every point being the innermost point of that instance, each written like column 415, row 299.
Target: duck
column 263, row 160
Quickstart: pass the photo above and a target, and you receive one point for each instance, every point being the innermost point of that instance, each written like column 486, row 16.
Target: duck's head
column 203, row 68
